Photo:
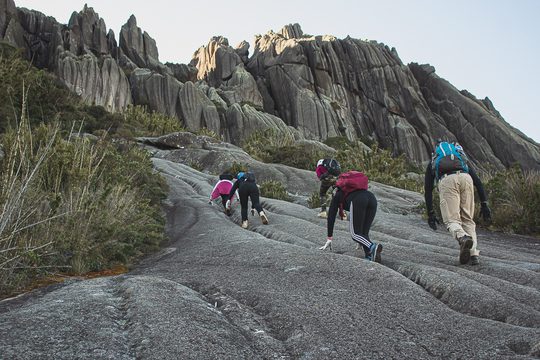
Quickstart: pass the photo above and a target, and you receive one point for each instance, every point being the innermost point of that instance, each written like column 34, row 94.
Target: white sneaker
column 244, row 224
column 323, row 214
column 264, row 219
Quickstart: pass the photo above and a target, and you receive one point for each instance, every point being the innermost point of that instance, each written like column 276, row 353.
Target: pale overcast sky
column 489, row 47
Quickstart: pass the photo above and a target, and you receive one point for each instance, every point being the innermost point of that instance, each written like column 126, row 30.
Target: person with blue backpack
column 247, row 188
column 451, row 172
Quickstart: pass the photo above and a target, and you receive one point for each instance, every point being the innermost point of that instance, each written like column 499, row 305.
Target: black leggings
column 362, row 212
column 248, row 189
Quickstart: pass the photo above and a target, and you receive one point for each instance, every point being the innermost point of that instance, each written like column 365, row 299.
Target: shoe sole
column 264, row 219
column 465, row 251
column 378, row 252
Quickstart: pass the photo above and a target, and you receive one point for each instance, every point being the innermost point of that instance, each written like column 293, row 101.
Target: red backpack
column 349, row 182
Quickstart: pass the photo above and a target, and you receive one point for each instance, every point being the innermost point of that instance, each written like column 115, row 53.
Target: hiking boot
column 465, row 245
column 375, row 252
column 264, row 219
column 253, row 212
column 244, row 224
column 475, row 260
column 323, row 215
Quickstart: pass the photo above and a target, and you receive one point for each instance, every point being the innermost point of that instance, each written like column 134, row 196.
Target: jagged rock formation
column 319, row 85
column 219, row 291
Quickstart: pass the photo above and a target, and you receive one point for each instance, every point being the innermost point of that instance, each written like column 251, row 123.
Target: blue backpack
column 448, row 158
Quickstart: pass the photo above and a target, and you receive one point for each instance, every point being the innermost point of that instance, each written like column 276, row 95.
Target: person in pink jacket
column 222, row 188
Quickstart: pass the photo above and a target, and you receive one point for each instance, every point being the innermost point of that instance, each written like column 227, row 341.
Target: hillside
column 312, row 87
column 218, row 291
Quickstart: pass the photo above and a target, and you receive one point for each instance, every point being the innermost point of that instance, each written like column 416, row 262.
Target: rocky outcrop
column 138, row 46
column 221, row 67
column 327, row 87
column 8, row 11
column 87, row 33
column 243, row 121
column 218, row 291
column 476, row 124
column 98, row 81
column 319, row 85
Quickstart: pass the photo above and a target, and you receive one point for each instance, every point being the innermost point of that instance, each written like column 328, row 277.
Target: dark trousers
column 248, row 189
column 362, row 212
column 224, row 199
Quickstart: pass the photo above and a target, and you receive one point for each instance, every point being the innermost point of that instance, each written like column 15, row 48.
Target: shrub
column 237, row 167
column 272, row 146
column 314, row 200
column 73, row 204
column 207, row 132
column 514, row 197
column 379, row 165
column 275, row 190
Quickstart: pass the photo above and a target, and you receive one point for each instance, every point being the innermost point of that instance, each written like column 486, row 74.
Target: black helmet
column 226, row 176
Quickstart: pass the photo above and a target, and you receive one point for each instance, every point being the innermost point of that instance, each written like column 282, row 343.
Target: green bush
column 73, row 204
column 314, row 200
column 272, row 146
column 275, row 190
column 514, row 197
column 379, row 165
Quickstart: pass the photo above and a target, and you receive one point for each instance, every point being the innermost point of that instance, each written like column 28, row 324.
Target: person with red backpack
column 353, row 195
column 327, row 172
column 449, row 169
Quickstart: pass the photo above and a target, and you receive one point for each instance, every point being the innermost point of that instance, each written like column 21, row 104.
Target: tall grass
column 72, row 204
column 514, row 197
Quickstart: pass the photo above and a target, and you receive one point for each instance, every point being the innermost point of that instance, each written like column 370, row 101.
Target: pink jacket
column 320, row 171
column 223, row 187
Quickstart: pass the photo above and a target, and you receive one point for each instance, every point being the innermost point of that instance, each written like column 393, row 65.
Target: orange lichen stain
column 59, row 278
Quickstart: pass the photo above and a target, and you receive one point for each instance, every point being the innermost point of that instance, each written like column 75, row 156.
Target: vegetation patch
column 275, row 190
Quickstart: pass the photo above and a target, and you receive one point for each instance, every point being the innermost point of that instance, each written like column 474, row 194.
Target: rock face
column 477, row 125
column 138, row 46
column 218, row 291
column 319, row 85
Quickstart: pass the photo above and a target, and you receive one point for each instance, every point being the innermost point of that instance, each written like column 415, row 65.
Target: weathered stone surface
column 183, row 72
column 138, row 46
column 477, row 125
column 243, row 121
column 196, row 110
column 221, row 67
column 42, row 37
column 96, row 81
column 158, row 92
column 87, row 33
column 291, row 31
column 8, row 10
column 327, row 87
column 218, row 291
column 242, row 50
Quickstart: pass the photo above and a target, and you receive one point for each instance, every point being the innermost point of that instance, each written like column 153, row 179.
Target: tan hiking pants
column 456, row 192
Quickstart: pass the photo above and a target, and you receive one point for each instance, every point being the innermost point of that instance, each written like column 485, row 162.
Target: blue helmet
column 240, row 175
